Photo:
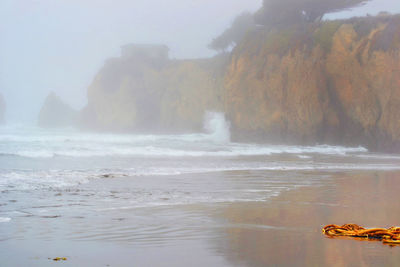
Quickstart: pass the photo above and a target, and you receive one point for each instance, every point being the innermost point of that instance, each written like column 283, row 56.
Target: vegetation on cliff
column 278, row 13
column 55, row 113
column 241, row 25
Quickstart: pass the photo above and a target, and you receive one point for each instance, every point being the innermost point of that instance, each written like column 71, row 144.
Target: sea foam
column 216, row 125
column 213, row 142
column 4, row 219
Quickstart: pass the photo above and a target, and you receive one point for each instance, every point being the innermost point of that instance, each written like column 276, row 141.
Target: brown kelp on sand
column 388, row 236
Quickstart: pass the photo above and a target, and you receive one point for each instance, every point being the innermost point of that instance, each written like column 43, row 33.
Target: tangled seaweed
column 388, row 236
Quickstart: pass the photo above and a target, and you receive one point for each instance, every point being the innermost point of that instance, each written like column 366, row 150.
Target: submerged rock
column 55, row 113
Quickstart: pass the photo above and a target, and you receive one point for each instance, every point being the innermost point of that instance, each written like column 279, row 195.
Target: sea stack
column 56, row 114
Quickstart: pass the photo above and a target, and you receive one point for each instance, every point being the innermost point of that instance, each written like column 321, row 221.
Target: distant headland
column 335, row 82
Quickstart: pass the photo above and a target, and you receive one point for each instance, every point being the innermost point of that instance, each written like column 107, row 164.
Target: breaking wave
column 214, row 142
column 231, row 150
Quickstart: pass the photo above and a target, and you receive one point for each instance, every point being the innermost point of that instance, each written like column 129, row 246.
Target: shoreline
column 285, row 230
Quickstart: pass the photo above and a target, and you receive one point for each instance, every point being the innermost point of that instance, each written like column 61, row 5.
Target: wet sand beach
column 282, row 230
column 287, row 230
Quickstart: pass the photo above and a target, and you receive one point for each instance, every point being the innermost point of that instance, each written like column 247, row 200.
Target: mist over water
column 34, row 158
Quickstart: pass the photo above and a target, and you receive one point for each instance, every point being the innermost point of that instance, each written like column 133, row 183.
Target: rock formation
column 337, row 82
column 332, row 82
column 143, row 91
column 56, row 114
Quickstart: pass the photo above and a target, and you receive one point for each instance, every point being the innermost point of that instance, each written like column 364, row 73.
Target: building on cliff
column 152, row 51
column 335, row 82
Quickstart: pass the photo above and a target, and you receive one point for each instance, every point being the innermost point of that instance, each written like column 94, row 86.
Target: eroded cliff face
column 334, row 82
column 144, row 94
column 337, row 82
column 2, row 109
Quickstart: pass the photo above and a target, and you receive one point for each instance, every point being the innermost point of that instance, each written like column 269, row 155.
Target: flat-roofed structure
column 153, row 51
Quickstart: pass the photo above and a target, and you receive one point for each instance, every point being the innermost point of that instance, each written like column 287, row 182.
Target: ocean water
column 37, row 161
column 63, row 182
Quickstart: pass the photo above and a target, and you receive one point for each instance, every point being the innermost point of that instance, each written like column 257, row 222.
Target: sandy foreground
column 283, row 231
column 370, row 199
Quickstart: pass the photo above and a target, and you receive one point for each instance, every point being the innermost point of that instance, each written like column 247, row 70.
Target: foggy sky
column 59, row 45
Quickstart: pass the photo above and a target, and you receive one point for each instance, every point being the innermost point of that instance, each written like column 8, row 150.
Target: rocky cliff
column 55, row 113
column 141, row 93
column 332, row 82
column 335, row 82
column 2, row 109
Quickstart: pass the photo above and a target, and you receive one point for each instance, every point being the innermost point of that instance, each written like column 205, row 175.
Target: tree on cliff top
column 235, row 33
column 287, row 12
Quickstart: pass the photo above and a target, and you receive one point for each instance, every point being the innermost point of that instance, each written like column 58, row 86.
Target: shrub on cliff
column 278, row 13
column 235, row 33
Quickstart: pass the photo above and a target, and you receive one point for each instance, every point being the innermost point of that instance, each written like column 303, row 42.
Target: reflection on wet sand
column 283, row 230
column 287, row 230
